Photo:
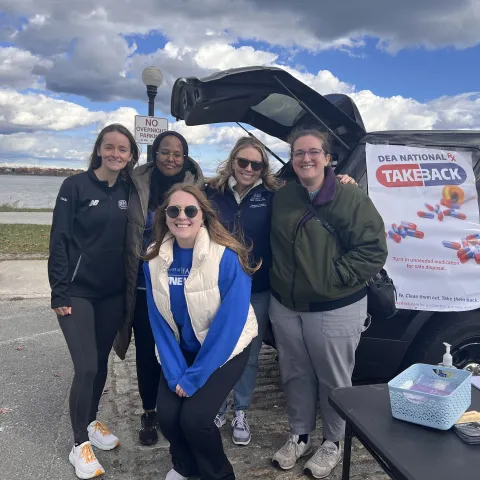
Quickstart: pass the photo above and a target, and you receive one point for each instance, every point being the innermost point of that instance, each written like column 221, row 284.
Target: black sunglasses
column 244, row 163
column 173, row 211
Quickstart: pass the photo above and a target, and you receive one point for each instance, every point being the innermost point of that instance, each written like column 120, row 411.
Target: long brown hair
column 214, row 228
column 225, row 169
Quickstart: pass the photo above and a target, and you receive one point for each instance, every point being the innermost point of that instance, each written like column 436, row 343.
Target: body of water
column 29, row 191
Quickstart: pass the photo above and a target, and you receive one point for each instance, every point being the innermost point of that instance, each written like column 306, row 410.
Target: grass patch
column 13, row 207
column 24, row 239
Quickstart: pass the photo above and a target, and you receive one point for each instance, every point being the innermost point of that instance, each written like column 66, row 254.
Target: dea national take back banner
column 428, row 200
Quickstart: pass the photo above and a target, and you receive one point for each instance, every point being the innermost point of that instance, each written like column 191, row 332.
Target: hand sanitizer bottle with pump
column 446, row 362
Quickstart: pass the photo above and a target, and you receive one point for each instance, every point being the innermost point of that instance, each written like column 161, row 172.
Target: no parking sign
column 148, row 128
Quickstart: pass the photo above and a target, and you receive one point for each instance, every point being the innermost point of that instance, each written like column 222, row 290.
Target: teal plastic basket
column 431, row 410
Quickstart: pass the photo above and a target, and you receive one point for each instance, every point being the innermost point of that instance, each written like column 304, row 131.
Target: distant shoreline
column 41, row 172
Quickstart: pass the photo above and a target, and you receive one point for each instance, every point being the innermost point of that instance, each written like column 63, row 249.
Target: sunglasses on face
column 244, row 163
column 173, row 211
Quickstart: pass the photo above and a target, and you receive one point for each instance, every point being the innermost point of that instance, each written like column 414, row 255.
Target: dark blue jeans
column 243, row 390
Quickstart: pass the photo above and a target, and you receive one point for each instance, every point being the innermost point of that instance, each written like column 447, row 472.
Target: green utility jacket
column 313, row 269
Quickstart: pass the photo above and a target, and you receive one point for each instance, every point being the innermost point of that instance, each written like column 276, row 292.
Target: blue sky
column 69, row 68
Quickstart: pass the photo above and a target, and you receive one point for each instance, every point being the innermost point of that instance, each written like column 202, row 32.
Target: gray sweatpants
column 316, row 352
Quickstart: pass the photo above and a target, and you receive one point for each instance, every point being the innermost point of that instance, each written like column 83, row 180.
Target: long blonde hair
column 225, row 169
column 214, row 228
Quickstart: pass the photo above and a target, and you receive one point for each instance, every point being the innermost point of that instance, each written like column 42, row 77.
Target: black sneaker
column 148, row 433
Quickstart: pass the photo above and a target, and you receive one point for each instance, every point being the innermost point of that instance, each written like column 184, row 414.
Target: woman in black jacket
column 87, row 276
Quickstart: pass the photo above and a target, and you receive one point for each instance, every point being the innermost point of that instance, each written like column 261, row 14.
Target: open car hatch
column 267, row 98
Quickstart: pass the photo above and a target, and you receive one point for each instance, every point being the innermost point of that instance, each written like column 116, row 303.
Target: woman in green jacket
column 327, row 240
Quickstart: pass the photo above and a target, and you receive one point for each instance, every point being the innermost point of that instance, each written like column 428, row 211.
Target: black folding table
column 405, row 451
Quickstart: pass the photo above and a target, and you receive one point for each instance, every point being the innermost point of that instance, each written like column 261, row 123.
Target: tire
column 460, row 329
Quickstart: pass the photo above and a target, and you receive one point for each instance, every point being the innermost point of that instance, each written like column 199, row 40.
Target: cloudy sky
column 68, row 68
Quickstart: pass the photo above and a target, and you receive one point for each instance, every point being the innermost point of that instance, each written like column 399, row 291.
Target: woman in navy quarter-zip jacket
column 242, row 194
column 86, row 270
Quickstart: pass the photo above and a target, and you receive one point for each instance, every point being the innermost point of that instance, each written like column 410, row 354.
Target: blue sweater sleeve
column 171, row 357
column 225, row 330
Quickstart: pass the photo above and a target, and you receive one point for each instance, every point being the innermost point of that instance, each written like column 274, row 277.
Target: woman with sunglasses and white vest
column 169, row 164
column 319, row 294
column 198, row 294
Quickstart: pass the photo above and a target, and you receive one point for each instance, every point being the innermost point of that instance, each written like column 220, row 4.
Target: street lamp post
column 152, row 78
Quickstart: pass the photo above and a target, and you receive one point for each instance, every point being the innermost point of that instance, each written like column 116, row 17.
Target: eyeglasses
column 173, row 211
column 244, row 163
column 166, row 153
column 314, row 154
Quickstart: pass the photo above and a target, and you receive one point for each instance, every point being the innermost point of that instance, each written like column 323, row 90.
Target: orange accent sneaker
column 101, row 437
column 85, row 462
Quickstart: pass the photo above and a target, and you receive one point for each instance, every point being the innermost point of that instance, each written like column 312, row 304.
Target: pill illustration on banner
column 462, row 252
column 395, row 236
column 425, row 215
column 460, row 216
column 469, row 254
column 464, row 242
column 395, row 228
column 409, row 225
column 415, row 233
column 402, row 232
column 429, row 207
column 453, row 245
column 440, row 216
column 473, row 236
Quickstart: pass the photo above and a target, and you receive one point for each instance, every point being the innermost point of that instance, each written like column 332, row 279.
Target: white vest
column 202, row 294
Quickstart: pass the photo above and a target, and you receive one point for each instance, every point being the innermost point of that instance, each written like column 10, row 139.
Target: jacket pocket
column 347, row 321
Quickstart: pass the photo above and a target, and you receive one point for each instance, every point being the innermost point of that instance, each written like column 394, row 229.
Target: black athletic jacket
column 86, row 240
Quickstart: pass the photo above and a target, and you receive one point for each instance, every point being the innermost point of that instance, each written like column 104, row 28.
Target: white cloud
column 16, row 68
column 86, row 48
column 222, row 56
column 42, row 148
column 311, row 25
column 196, row 135
column 33, row 112
column 398, row 113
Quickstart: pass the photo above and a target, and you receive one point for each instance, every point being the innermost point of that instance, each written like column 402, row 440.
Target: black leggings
column 148, row 368
column 89, row 332
column 188, row 423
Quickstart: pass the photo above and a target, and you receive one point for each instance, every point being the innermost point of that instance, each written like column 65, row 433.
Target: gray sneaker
column 241, row 429
column 326, row 458
column 287, row 456
column 220, row 420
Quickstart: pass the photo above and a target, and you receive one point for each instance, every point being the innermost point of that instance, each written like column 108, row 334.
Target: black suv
column 275, row 102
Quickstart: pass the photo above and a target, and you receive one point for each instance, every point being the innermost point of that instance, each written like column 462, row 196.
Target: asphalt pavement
column 35, row 376
column 33, row 218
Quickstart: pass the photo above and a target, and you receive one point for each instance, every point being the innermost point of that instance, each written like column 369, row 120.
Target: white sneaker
column 287, row 456
column 101, row 437
column 220, row 420
column 85, row 462
column 326, row 458
column 174, row 475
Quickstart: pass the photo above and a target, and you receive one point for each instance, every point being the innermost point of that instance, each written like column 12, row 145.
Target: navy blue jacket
column 253, row 218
